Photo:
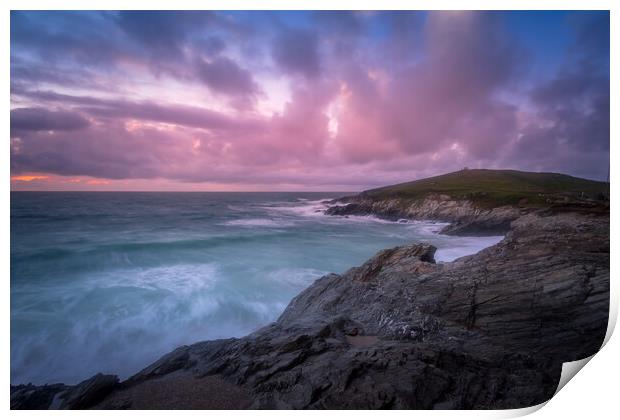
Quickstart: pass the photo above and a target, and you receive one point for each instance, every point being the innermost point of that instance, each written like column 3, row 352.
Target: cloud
column 321, row 98
column 571, row 128
column 183, row 115
column 66, row 39
column 29, row 178
column 340, row 23
column 164, row 33
column 225, row 76
column 212, row 45
column 127, row 140
column 447, row 97
column 296, row 51
column 176, row 44
column 40, row 119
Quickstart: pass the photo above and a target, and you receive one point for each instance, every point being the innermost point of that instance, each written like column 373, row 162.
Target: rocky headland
column 464, row 216
column 487, row 331
column 478, row 201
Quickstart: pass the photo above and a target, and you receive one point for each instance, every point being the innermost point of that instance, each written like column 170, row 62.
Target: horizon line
column 181, row 191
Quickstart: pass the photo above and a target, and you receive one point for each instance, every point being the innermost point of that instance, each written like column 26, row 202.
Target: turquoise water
column 108, row 282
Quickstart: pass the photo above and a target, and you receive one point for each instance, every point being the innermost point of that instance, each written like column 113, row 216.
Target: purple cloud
column 40, row 119
column 296, row 51
column 225, row 76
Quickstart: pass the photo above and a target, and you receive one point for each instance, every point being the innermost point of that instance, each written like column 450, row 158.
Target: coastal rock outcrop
column 489, row 330
column 465, row 218
column 478, row 201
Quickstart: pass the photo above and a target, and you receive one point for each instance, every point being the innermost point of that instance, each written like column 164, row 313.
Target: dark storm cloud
column 573, row 107
column 165, row 42
column 225, row 76
column 165, row 33
column 40, row 119
column 296, row 51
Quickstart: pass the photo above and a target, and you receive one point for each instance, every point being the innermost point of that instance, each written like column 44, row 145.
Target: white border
column 591, row 395
column 311, row 5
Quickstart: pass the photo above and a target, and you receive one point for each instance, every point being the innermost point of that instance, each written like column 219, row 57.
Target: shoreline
column 428, row 229
column 188, row 359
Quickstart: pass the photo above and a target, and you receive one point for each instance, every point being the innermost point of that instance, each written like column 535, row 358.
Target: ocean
column 109, row 282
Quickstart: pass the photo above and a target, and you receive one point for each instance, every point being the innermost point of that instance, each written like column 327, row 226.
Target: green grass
column 492, row 188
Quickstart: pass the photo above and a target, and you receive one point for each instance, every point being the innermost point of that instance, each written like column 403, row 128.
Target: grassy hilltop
column 492, row 188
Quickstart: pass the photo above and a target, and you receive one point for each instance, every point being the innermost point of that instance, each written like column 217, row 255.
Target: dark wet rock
column 401, row 331
column 89, row 392
column 61, row 396
column 348, row 209
column 32, row 397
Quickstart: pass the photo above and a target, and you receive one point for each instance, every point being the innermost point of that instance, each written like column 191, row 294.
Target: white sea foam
column 316, row 209
column 365, row 219
column 181, row 279
column 124, row 319
column 296, row 277
column 260, row 223
column 458, row 247
column 426, row 227
column 306, row 208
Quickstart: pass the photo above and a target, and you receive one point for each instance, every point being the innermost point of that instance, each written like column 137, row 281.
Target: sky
column 302, row 101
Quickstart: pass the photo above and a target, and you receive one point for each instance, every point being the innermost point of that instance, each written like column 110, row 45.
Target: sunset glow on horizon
column 302, row 101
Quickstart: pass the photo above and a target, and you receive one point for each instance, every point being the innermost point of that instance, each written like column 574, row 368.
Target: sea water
column 109, row 282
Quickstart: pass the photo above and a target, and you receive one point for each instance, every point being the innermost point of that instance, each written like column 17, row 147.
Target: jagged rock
column 61, row 396
column 88, row 393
